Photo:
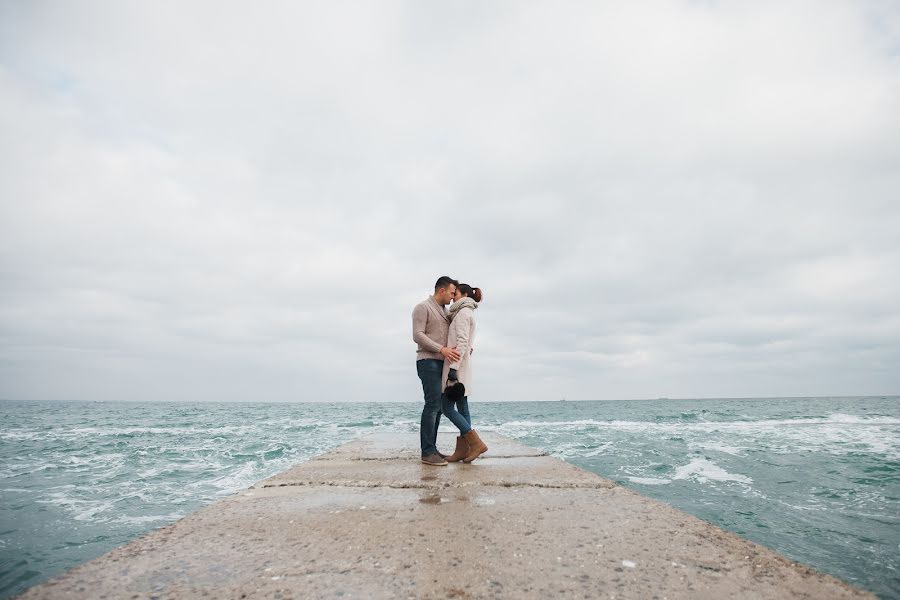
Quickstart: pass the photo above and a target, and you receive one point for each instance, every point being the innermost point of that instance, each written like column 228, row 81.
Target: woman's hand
column 450, row 354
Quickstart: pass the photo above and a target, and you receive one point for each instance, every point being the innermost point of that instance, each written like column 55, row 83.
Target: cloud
column 660, row 199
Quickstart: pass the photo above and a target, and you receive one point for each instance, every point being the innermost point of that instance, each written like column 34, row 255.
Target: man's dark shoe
column 434, row 460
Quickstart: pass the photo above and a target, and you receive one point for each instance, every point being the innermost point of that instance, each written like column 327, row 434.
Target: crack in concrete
column 416, row 457
column 440, row 485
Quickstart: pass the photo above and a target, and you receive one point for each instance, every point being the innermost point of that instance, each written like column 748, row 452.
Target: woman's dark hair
column 472, row 292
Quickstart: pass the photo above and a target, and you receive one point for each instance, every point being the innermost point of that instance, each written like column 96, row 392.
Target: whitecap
column 18, row 436
column 148, row 519
column 80, row 509
column 857, row 420
column 715, row 447
column 649, row 480
column 598, row 451
column 232, row 481
column 703, row 470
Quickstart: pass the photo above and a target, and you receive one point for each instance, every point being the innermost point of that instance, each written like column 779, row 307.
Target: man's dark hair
column 444, row 281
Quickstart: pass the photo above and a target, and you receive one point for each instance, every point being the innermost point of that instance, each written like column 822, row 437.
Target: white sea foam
column 147, row 519
column 168, row 431
column 22, row 435
column 856, row 419
column 551, row 424
column 703, row 470
column 243, row 477
column 717, row 447
column 749, row 424
column 836, row 434
column 81, row 509
column 649, row 480
column 602, row 449
column 93, row 509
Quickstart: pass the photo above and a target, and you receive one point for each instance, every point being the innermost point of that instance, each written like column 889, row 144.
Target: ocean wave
column 718, row 447
column 81, row 509
column 837, row 434
column 832, row 419
column 649, row 480
column 703, row 470
column 234, row 479
column 144, row 519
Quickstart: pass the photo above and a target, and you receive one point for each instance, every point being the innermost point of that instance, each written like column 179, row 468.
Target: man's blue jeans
column 429, row 370
column 457, row 412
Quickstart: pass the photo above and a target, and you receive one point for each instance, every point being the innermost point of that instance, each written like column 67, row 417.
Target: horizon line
column 659, row 398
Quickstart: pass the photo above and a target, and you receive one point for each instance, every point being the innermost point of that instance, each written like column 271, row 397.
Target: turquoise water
column 816, row 479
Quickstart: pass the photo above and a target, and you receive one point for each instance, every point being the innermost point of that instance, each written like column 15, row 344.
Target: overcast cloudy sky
column 233, row 201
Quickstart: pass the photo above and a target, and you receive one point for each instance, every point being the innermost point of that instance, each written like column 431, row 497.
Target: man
column 430, row 326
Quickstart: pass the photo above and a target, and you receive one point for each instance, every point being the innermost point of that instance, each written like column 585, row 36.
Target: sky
column 222, row 201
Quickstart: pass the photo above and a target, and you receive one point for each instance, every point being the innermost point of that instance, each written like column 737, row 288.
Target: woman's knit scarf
column 460, row 304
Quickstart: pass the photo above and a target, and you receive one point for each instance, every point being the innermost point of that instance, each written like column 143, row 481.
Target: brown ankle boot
column 476, row 446
column 462, row 450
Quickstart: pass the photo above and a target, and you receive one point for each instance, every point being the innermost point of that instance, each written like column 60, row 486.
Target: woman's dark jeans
column 429, row 370
column 458, row 414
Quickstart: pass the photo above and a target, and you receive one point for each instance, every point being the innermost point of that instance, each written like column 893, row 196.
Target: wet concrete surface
column 369, row 520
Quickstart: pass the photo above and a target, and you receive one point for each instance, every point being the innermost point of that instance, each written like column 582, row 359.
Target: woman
column 457, row 376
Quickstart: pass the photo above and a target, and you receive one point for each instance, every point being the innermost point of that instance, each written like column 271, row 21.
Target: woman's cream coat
column 462, row 336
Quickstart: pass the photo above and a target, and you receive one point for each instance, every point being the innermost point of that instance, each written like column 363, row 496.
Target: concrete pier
column 368, row 520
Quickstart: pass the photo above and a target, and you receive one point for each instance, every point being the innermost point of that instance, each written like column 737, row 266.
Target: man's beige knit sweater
column 430, row 327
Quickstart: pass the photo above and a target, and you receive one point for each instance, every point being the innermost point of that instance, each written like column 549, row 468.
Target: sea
column 816, row 479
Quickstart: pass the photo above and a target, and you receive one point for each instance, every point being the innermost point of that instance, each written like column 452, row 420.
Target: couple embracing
column 444, row 364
